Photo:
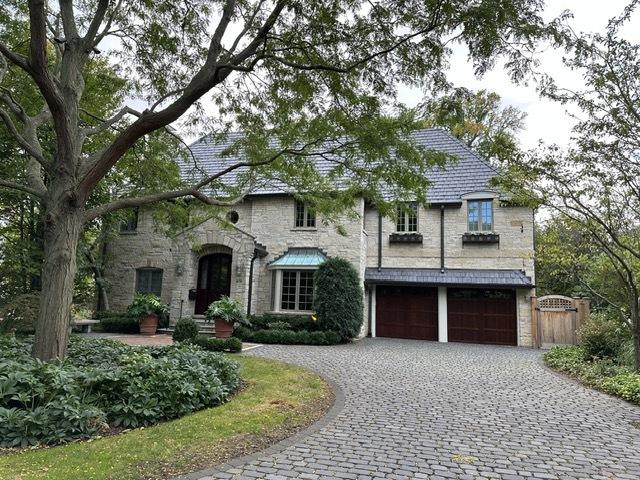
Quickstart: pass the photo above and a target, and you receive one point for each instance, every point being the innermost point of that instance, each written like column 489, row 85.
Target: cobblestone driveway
column 426, row 410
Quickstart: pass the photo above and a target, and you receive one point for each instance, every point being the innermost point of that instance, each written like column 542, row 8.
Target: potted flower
column 227, row 314
column 148, row 309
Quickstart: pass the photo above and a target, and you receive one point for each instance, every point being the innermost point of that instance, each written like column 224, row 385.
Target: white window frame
column 277, row 290
column 479, row 203
column 307, row 216
column 406, row 216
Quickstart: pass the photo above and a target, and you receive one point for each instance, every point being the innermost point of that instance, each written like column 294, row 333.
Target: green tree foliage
column 301, row 78
column 478, row 119
column 593, row 186
column 338, row 298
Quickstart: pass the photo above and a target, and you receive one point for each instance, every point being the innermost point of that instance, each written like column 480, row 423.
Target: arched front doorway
column 214, row 280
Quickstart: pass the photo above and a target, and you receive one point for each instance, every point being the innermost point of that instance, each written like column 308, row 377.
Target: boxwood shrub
column 102, row 384
column 338, row 298
column 287, row 337
column 212, row 344
column 185, row 329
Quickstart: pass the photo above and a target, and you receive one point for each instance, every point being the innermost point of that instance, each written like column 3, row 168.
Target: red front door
column 214, row 280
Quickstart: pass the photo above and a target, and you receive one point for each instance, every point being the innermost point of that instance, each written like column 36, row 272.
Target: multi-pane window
column 407, row 218
column 297, row 290
column 130, row 223
column 480, row 215
column 304, row 216
column 149, row 280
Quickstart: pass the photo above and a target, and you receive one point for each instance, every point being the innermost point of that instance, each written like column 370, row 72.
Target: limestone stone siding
column 269, row 220
column 513, row 224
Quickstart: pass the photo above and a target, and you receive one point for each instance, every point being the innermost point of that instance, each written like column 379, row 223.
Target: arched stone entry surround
column 234, row 245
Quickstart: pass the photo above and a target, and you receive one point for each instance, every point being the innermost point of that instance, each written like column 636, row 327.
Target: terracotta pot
column 224, row 329
column 149, row 325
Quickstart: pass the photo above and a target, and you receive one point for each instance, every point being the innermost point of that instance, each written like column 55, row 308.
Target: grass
column 278, row 400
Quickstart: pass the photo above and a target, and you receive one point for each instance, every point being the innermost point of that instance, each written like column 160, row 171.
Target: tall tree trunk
column 63, row 225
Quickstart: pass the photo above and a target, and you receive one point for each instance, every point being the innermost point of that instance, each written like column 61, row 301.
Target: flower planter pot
column 223, row 329
column 149, row 325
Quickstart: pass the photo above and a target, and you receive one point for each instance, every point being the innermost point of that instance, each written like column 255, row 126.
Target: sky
column 546, row 120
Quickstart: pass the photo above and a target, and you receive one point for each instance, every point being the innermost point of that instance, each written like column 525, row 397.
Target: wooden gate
column 557, row 319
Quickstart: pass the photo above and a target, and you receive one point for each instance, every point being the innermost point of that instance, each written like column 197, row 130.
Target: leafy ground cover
column 103, row 384
column 603, row 374
column 277, row 400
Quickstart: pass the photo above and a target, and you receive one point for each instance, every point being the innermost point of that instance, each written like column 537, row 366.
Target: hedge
column 293, row 322
column 104, row 384
column 287, row 337
column 121, row 323
column 211, row 344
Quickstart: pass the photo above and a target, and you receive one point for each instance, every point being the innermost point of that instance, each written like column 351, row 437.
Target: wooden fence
column 556, row 320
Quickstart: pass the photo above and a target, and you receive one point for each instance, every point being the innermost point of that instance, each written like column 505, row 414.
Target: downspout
column 250, row 291
column 369, row 309
column 379, row 241
column 441, row 238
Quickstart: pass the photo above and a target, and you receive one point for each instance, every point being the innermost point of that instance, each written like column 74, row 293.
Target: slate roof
column 470, row 173
column 450, row 277
column 299, row 257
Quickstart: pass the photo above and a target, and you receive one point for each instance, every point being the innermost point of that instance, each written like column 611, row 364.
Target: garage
column 478, row 315
column 407, row 312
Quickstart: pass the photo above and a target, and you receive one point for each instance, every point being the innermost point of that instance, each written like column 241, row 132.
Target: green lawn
column 278, row 400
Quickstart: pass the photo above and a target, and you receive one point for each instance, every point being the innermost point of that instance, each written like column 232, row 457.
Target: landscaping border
column 336, row 408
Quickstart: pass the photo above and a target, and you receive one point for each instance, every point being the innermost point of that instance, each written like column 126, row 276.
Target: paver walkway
column 426, row 410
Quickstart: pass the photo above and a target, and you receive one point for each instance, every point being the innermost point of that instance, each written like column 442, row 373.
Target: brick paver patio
column 415, row 410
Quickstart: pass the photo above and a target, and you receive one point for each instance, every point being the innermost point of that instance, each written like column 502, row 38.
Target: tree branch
column 204, row 80
column 22, row 142
column 22, row 188
column 68, row 19
column 96, row 21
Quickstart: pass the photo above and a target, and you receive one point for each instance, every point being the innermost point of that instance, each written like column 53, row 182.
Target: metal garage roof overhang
column 300, row 258
column 450, row 277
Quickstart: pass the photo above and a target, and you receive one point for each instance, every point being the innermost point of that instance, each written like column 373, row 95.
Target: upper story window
column 407, row 218
column 480, row 215
column 305, row 218
column 130, row 223
column 149, row 280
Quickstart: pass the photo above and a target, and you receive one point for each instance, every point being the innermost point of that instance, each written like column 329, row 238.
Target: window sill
column 405, row 237
column 304, row 229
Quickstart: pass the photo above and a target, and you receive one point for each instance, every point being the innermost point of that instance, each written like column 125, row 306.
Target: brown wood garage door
column 481, row 316
column 407, row 312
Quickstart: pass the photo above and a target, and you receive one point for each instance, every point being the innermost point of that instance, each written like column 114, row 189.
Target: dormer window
column 305, row 218
column 480, row 215
column 407, row 218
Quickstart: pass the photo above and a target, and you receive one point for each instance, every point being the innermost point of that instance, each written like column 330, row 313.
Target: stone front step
column 205, row 328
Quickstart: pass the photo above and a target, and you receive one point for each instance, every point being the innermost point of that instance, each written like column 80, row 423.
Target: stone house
column 460, row 270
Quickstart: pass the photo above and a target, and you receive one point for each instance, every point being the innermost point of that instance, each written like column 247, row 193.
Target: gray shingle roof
column 450, row 277
column 470, row 173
